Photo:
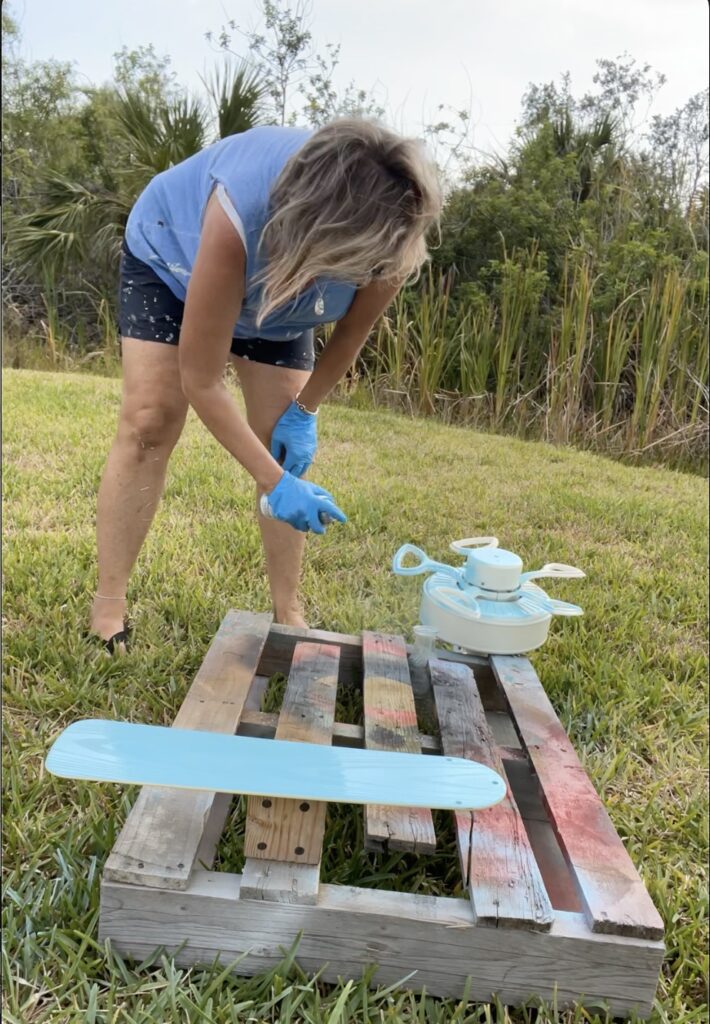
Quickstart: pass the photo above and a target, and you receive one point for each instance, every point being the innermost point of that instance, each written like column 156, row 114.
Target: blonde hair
column 353, row 203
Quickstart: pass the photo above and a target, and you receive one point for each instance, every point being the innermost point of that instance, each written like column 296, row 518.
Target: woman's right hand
column 301, row 504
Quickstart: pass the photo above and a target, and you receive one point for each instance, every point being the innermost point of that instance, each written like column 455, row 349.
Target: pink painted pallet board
column 499, row 866
column 613, row 895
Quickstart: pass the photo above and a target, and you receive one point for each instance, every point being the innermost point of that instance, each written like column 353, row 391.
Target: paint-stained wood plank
column 391, row 724
column 163, row 834
column 499, row 866
column 292, row 830
column 263, row 724
column 613, row 895
column 278, row 653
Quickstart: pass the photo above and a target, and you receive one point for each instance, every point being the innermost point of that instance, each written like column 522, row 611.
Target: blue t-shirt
column 164, row 226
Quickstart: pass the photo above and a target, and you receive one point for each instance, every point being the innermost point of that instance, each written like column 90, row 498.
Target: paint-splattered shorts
column 149, row 311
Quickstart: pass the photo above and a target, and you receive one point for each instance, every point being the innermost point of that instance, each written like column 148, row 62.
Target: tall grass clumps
column 628, row 380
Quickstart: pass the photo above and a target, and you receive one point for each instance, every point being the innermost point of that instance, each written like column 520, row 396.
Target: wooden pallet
column 555, row 906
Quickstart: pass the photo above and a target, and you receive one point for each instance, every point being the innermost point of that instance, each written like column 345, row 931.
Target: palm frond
column 183, row 123
column 563, row 132
column 71, row 222
column 237, row 92
column 157, row 136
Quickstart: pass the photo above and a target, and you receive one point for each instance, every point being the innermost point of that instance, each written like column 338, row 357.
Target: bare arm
column 214, row 299
column 347, row 339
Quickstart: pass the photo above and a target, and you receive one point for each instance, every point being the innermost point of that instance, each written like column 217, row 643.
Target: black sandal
column 123, row 636
column 118, row 638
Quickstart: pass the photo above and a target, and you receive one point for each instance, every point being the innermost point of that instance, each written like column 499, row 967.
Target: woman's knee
column 263, row 430
column 150, row 425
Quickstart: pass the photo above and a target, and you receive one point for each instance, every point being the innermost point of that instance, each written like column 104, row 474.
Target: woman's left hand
column 294, row 440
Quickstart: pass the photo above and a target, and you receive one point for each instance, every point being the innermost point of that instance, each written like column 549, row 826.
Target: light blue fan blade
column 122, row 752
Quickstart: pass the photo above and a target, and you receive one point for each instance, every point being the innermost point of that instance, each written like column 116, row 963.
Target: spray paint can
column 265, row 509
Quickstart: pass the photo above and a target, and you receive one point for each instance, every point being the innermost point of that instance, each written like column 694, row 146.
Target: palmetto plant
column 74, row 222
column 77, row 222
column 238, row 94
column 155, row 136
column 594, row 148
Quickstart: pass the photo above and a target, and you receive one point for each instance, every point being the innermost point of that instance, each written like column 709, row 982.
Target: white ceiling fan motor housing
column 488, row 605
column 506, row 630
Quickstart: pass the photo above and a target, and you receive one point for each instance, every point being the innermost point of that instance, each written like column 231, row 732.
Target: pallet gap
column 555, row 871
column 229, row 855
column 489, row 689
column 273, row 695
column 349, row 705
column 427, row 721
column 434, row 875
column 437, row 874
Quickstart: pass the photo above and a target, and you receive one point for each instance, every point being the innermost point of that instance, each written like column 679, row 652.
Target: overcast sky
column 477, row 54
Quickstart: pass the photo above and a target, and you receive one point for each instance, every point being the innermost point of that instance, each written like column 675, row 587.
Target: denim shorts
column 148, row 311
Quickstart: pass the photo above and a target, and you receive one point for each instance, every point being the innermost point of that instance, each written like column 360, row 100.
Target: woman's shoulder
column 248, row 164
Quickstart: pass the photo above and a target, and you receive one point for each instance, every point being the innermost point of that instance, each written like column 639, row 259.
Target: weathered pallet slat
column 263, row 724
column 432, row 941
column 498, row 863
column 276, row 881
column 614, row 897
column 391, row 724
column 160, row 839
column 282, row 639
column 291, row 830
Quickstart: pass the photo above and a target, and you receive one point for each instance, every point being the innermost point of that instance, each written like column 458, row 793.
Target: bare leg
column 268, row 391
column 152, row 416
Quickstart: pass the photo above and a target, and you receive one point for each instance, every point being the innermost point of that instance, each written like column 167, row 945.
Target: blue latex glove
column 301, row 503
column 294, row 440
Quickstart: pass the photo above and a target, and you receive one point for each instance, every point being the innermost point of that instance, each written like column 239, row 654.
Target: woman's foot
column 108, row 621
column 290, row 617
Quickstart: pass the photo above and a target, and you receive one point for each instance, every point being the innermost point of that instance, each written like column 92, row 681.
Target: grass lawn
column 628, row 680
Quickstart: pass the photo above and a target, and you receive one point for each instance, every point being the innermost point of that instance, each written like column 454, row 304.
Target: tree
column 40, row 122
column 576, row 176
column 324, row 103
column 143, row 71
column 282, row 50
column 622, row 84
column 283, row 53
column 679, row 147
